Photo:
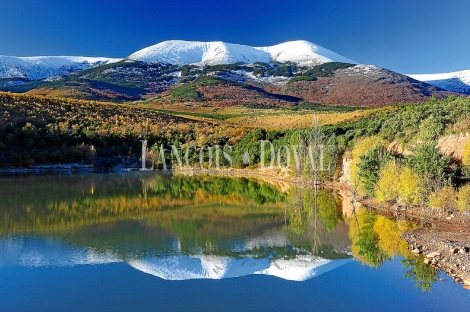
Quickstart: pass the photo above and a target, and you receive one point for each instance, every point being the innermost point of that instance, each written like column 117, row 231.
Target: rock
column 416, row 251
column 433, row 255
column 454, row 250
column 427, row 261
column 466, row 281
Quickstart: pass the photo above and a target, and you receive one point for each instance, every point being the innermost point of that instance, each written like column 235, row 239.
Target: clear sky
column 408, row 36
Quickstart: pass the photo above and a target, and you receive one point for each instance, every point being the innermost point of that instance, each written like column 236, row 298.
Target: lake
column 145, row 241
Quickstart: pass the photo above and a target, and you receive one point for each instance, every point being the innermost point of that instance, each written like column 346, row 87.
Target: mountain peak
column 304, row 53
column 196, row 52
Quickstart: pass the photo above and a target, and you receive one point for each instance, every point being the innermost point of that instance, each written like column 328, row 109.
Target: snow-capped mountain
column 40, row 67
column 212, row 53
column 455, row 81
column 37, row 252
column 177, row 52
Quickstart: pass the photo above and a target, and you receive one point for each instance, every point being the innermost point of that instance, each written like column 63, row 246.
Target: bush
column 463, row 198
column 431, row 128
column 369, row 168
column 428, row 161
column 445, row 198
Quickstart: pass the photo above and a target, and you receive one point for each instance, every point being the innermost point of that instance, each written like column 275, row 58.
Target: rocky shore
column 445, row 245
column 443, row 238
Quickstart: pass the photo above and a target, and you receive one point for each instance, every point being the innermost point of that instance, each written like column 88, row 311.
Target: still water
column 149, row 242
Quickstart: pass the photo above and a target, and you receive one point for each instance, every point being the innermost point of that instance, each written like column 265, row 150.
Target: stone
column 416, row 251
column 433, row 255
column 427, row 261
column 454, row 250
column 466, row 281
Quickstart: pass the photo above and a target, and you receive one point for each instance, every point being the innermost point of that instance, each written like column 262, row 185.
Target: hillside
column 271, row 84
column 38, row 130
column 363, row 86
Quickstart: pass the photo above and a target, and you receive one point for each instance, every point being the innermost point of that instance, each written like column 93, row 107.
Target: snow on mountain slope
column 454, row 81
column 195, row 52
column 173, row 52
column 40, row 67
column 303, row 53
column 300, row 268
column 211, row 53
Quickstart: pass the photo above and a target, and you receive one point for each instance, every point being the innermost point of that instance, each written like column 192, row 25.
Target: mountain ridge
column 183, row 52
column 41, row 67
column 458, row 81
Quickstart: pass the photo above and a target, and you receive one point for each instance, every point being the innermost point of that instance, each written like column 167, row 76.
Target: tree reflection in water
column 376, row 239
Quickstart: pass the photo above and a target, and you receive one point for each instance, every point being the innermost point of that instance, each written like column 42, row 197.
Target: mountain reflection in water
column 178, row 227
column 172, row 227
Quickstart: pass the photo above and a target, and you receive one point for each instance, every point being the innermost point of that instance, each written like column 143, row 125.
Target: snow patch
column 14, row 83
column 364, row 70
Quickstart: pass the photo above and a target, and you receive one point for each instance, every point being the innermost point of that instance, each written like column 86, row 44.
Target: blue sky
column 408, row 36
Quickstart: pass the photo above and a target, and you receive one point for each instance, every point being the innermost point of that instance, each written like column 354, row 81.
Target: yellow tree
column 463, row 198
column 411, row 190
column 466, row 157
column 360, row 149
column 445, row 198
column 387, row 188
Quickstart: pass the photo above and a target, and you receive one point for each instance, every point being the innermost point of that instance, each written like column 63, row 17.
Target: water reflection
column 181, row 228
column 170, row 227
column 377, row 239
column 316, row 222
